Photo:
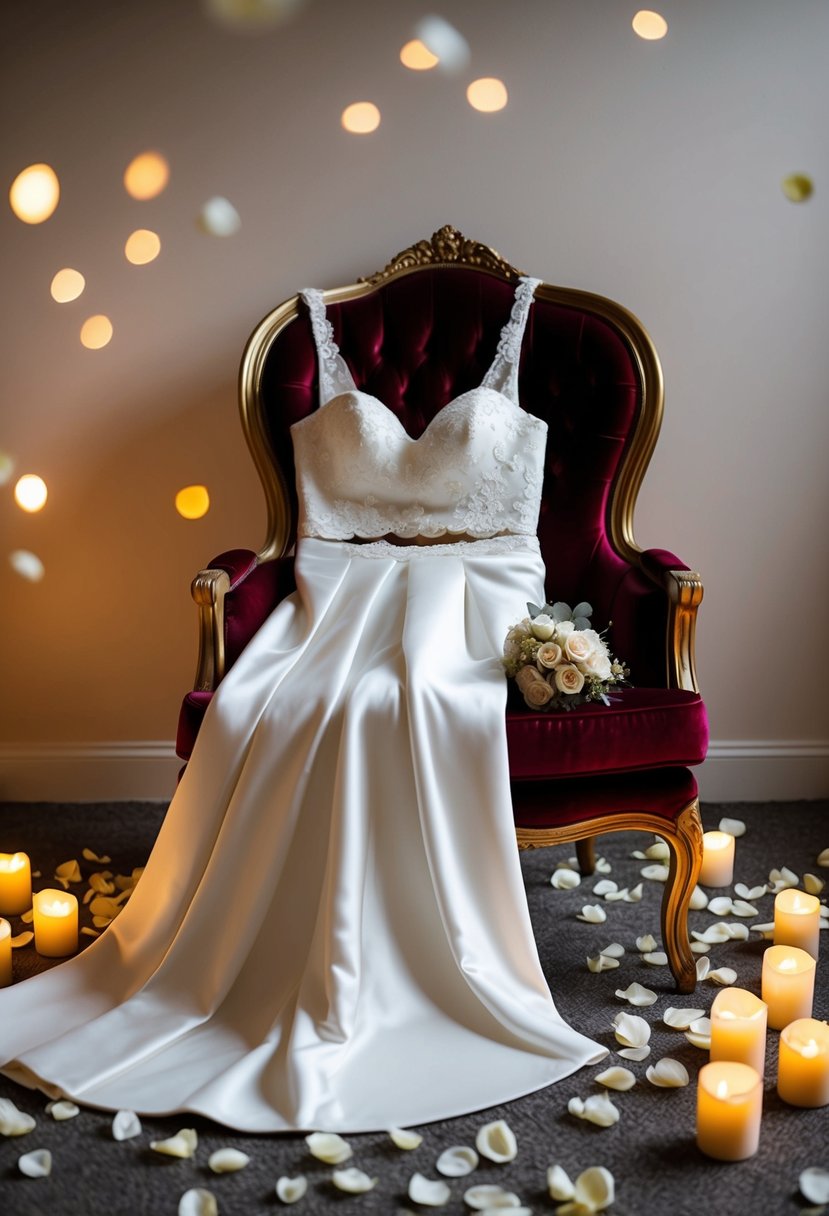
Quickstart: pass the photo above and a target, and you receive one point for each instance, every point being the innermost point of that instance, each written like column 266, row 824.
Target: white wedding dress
column 332, row 931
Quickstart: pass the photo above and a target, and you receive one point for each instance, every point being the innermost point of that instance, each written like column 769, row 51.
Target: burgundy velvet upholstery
column 541, row 804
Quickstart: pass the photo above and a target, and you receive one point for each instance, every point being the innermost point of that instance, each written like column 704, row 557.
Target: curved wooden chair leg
column 586, row 854
column 684, row 867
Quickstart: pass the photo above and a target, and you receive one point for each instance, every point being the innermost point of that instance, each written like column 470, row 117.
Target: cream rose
column 543, row 627
column 579, row 647
column 549, row 655
column 563, row 631
column 527, row 676
column 598, row 664
column 538, row 692
column 569, row 679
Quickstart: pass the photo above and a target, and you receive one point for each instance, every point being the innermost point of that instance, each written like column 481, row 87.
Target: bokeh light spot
column 146, row 175
column 446, row 43
column 27, row 565
column 797, row 187
column 218, row 217
column 649, row 25
column 417, row 56
column 361, row 118
column 142, row 246
column 30, row 492
column 67, row 285
column 6, row 467
column 192, row 502
column 252, row 14
column 96, row 332
column 34, row 194
column 487, row 94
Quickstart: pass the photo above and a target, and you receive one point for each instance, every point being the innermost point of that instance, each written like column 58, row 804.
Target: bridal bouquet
column 558, row 661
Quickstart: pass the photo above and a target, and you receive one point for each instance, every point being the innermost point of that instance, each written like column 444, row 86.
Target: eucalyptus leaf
column 561, row 612
column 581, row 622
column 533, row 610
column 583, row 609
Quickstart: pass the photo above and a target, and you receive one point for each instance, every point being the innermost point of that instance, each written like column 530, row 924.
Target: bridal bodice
column 477, row 469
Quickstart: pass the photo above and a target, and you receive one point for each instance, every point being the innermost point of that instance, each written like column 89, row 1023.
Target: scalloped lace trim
column 513, row 543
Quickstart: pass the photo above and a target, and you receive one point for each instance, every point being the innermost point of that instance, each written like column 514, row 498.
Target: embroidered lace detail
column 486, row 547
column 334, row 376
column 503, row 374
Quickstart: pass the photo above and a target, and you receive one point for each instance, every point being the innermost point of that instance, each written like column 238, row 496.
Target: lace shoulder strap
column 334, row 376
column 503, row 374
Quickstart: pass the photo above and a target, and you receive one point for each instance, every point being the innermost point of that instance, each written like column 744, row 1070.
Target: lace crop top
column 476, row 469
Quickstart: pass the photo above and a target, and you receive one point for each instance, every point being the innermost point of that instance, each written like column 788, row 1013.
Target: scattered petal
column 428, row 1192
column 605, row 886
column 36, row 1164
column 766, row 931
column 732, row 827
column 102, row 922
column 630, row 1030
column 656, row 958
column 125, row 1125
column 634, row 1053
column 726, row 977
column 405, row 1139
column 88, row 855
column 595, row 1189
column 713, row 934
column 603, row 866
column 699, row 1034
column 703, row 967
column 741, row 908
column 329, row 1147
column 658, row 851
column 559, row 1185
column 198, row 1202
column 14, row 1122
column 62, row 1110
column 22, row 939
column 594, row 914
column 737, row 933
column 700, row 947
column 496, row 1141
column 699, row 899
column 570, row 863
column 69, row 871
column 668, row 1074
column 633, row 896
column 646, row 944
column 616, row 1077
column 721, row 905
column 780, row 879
column 183, row 1144
column 102, row 905
column 227, row 1160
column 290, row 1190
column 618, row 896
column 597, row 1109
column 681, row 1019
column 656, row 873
column 100, row 885
column 486, row 1196
column 823, row 858
column 637, row 994
column 813, row 884
column 814, row 1185
column 457, row 1161
column 28, row 917
column 614, row 950
column 565, row 880
column 353, row 1181
column 90, row 932
column 601, row 962
column 745, row 892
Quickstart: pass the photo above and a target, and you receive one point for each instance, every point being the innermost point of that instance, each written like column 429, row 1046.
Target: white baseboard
column 743, row 770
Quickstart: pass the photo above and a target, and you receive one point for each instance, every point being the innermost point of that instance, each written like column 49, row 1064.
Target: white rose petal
column 634, row 1053
column 227, row 1160
column 721, row 905
column 656, row 873
column 637, row 994
column 568, row 863
column 594, row 914
column 616, row 1078
column 62, row 1110
column 125, row 1125
column 496, row 1141
column 699, row 900
column 668, row 1074
column 605, row 886
column 658, row 851
column 656, row 958
column 405, row 1139
column 745, row 892
column 597, row 1109
column 646, row 944
column 559, row 1186
column 353, row 1181
column 726, row 977
column 428, row 1193
column 88, row 855
column 681, row 1019
column 700, row 947
column 595, row 1189
column 614, row 950
column 22, row 939
column 565, row 879
column 291, row 1190
column 14, row 1122
column 36, row 1164
column 766, row 931
column 603, row 866
column 732, row 827
column 814, row 1185
column 630, row 1030
column 457, row 1161
column 780, row 879
column 70, row 871
column 484, row 1196
column 703, row 967
column 737, row 933
column 713, row 934
column 198, row 1202
column 813, row 884
column 823, row 858
column 633, row 896
column 741, row 908
column 514, row 1210
column 329, row 1147
column 183, row 1144
column 28, row 917
column 601, row 962
column 618, row 896
column 699, row 1034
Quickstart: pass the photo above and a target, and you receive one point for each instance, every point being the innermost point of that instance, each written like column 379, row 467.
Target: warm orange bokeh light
column 27, row 565
column 361, row 118
column 34, row 194
column 417, row 56
column 67, row 285
column 649, row 25
column 193, row 502
column 487, row 94
column 30, row 492
column 96, row 332
column 146, row 175
column 142, row 246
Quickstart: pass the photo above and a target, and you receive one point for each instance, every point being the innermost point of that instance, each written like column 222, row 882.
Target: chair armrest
column 684, row 590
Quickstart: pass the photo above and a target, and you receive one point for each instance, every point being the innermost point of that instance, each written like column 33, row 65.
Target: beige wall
column 646, row 172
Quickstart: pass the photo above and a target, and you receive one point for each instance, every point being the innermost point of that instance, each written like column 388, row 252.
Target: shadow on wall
column 105, row 646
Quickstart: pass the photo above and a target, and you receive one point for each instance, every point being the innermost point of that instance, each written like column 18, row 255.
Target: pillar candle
column 788, row 984
column 56, row 923
column 738, row 1028
column 717, row 860
column 5, row 954
column 729, row 1105
column 15, row 884
column 797, row 920
column 803, row 1067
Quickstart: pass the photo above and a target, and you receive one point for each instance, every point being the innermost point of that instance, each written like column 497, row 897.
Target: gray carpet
column 651, row 1151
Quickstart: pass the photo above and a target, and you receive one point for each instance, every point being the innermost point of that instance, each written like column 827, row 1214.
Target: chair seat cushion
column 642, row 728
column 663, row 792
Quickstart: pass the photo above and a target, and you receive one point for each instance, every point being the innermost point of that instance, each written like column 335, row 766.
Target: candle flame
column 722, row 1089
column 726, row 1015
column 787, row 964
column 9, row 865
column 57, row 907
column 809, row 1050
column 5, row 929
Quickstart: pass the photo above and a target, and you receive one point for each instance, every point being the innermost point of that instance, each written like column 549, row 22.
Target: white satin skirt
column 332, row 931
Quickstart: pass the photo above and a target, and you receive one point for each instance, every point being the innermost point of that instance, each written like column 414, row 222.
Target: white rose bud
column 543, row 627
column 563, row 631
column 579, row 646
column 549, row 655
column 569, row 679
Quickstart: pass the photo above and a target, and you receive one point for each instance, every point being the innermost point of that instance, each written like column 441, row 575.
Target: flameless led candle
column 738, row 1028
column 797, row 920
column 803, row 1070
column 729, row 1105
column 56, row 923
column 717, row 860
column 5, row 954
column 15, row 884
column 788, row 984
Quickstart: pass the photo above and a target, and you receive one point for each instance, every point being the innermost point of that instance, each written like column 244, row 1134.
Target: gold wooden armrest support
column 683, row 837
column 684, row 588
column 209, row 589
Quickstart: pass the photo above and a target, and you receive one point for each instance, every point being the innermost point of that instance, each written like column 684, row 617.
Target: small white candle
column 738, row 1028
column 717, row 860
column 15, row 884
column 5, row 954
column 797, row 920
column 56, row 923
column 788, row 984
column 803, row 1067
column 729, row 1106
